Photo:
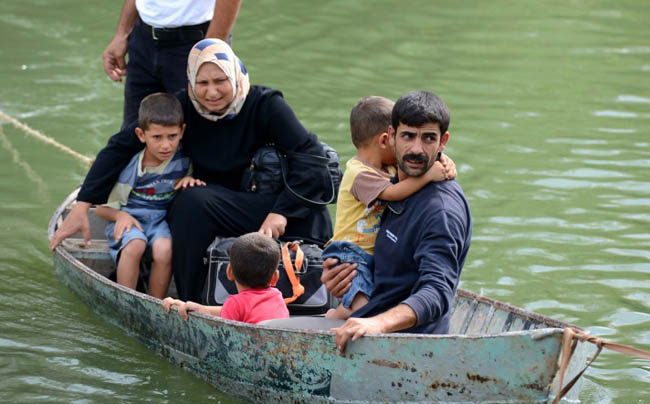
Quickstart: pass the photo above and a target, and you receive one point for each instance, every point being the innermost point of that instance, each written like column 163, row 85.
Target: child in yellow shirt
column 367, row 182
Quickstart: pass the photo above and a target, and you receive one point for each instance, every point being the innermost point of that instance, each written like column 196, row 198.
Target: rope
column 44, row 138
column 31, row 174
column 570, row 340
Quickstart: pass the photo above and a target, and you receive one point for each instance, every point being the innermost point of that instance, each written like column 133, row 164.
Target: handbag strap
column 296, row 287
column 314, row 159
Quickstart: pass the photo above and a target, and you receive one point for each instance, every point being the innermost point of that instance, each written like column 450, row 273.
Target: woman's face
column 213, row 88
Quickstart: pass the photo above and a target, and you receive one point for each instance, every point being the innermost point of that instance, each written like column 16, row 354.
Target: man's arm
column 114, row 54
column 398, row 318
column 439, row 272
column 223, row 20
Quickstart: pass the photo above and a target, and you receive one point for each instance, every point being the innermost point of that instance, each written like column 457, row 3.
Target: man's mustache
column 418, row 158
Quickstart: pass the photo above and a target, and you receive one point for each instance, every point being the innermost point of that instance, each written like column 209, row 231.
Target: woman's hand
column 448, row 167
column 123, row 223
column 77, row 220
column 273, row 225
column 337, row 278
column 188, row 182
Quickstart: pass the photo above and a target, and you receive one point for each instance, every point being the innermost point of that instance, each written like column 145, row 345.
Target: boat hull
column 268, row 365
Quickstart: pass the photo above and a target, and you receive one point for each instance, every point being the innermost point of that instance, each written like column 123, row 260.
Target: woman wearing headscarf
column 227, row 120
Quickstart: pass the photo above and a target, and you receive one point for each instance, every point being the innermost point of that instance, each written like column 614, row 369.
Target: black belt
column 184, row 33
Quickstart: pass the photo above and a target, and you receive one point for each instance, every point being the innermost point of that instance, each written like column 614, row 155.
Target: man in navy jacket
column 423, row 241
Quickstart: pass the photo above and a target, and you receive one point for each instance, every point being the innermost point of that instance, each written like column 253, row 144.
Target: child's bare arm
column 123, row 221
column 449, row 167
column 185, row 307
column 411, row 185
column 168, row 302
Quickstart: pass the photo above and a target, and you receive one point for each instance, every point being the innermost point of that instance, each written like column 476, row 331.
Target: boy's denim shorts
column 352, row 253
column 153, row 223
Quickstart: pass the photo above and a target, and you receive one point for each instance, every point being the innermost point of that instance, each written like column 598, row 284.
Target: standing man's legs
column 153, row 66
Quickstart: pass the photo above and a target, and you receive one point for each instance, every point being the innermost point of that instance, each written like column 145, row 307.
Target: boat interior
column 471, row 314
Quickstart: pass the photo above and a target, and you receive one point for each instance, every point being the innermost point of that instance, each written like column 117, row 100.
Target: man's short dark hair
column 369, row 117
column 161, row 109
column 417, row 108
column 254, row 258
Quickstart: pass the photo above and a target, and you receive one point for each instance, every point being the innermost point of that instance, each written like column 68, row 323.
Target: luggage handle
column 297, row 289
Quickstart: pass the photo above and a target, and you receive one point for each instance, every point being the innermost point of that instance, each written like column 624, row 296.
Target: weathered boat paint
column 484, row 362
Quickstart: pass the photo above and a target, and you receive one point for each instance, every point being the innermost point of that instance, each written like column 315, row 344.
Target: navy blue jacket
column 419, row 254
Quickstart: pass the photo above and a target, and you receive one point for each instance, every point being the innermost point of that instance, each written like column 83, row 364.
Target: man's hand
column 448, row 167
column 76, row 221
column 123, row 223
column 114, row 58
column 273, row 225
column 337, row 278
column 356, row 328
column 398, row 318
column 188, row 182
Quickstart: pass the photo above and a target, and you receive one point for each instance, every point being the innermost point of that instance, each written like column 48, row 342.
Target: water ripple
column 629, row 252
column 616, row 114
column 633, row 99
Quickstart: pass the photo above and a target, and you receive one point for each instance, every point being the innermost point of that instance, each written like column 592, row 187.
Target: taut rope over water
column 570, row 340
column 44, row 138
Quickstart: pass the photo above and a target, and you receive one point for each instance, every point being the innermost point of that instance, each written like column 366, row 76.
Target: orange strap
column 296, row 287
column 570, row 339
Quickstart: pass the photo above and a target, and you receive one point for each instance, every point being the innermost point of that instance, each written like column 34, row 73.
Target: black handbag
column 301, row 262
column 268, row 173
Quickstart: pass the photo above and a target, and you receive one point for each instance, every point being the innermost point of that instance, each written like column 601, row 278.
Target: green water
column 550, row 106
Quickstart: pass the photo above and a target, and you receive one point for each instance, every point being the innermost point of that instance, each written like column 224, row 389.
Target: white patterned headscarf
column 218, row 52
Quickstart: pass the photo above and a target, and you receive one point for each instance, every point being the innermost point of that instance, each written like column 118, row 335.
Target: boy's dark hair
column 369, row 117
column 161, row 109
column 254, row 258
column 417, row 108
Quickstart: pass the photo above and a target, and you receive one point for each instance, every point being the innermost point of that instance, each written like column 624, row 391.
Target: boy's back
column 358, row 212
column 255, row 305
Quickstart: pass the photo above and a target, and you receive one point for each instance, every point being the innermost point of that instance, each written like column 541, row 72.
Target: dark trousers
column 199, row 214
column 153, row 66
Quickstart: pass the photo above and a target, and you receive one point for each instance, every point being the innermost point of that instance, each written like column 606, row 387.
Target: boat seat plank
column 303, row 323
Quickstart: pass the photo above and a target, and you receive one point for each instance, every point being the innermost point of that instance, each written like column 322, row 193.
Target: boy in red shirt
column 253, row 266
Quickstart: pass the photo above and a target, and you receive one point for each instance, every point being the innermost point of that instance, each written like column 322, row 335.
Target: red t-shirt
column 255, row 305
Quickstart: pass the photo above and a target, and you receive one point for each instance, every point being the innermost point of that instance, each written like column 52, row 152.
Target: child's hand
column 168, row 302
column 124, row 222
column 435, row 173
column 449, row 167
column 186, row 308
column 188, row 182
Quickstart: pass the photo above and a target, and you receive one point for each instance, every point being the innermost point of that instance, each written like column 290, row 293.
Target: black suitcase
column 315, row 299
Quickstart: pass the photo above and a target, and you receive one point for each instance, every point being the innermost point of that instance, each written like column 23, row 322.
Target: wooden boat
column 495, row 352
